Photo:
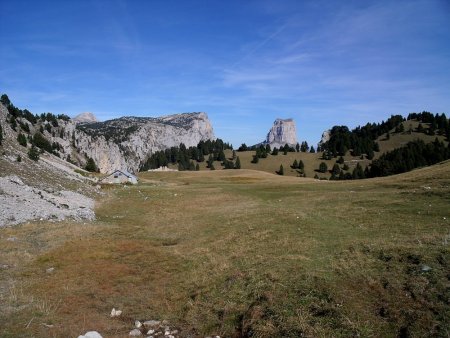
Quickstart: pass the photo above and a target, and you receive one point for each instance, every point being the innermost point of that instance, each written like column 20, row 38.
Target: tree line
column 189, row 158
column 415, row 154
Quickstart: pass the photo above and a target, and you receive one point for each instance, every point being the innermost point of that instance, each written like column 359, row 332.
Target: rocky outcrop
column 85, row 118
column 325, row 138
column 126, row 143
column 282, row 132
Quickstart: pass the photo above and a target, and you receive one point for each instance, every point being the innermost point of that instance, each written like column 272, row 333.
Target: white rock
column 138, row 324
column 151, row 324
column 135, row 333
column 115, row 313
column 91, row 334
column 282, row 132
column 150, row 135
column 50, row 270
column 150, row 331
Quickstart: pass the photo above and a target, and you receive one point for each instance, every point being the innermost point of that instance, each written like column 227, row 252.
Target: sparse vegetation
column 90, row 165
column 254, row 273
column 33, row 153
column 21, row 138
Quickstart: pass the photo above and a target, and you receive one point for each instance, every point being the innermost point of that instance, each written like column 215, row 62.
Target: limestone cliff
column 124, row 143
column 282, row 132
column 85, row 118
column 128, row 141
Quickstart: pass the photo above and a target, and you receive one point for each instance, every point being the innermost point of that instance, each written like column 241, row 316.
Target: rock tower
column 282, row 132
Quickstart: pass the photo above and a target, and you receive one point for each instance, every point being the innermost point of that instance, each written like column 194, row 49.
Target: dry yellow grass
column 240, row 253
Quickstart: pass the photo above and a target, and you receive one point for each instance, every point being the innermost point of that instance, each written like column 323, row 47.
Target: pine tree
column 312, row 150
column 358, row 172
column 33, row 153
column 5, row 100
column 323, row 167
column 210, row 161
column 237, row 165
column 301, row 165
column 90, row 165
column 21, row 138
column 281, row 171
column 197, row 167
column 295, row 165
column 336, row 169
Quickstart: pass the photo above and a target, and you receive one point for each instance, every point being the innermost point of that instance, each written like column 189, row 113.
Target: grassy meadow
column 240, row 253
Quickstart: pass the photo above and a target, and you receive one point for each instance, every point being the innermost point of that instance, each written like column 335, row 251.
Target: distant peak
column 283, row 132
column 284, row 120
column 85, row 118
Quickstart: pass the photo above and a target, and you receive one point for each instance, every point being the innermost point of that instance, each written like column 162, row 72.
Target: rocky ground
column 21, row 202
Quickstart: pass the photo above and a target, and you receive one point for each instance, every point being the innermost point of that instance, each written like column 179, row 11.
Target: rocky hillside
column 127, row 142
column 282, row 132
column 124, row 143
column 48, row 189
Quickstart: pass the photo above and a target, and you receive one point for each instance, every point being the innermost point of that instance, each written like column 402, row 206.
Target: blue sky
column 245, row 63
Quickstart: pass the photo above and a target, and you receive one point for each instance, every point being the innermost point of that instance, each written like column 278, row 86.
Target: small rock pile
column 153, row 329
column 148, row 329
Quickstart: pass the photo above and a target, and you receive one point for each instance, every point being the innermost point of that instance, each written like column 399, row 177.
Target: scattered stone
column 11, row 239
column 135, row 333
column 91, row 334
column 50, row 270
column 115, row 313
column 151, row 331
column 138, row 324
column 426, row 268
column 152, row 324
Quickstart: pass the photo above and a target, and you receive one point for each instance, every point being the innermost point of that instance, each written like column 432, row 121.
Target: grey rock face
column 282, row 132
column 127, row 142
column 85, row 118
column 124, row 143
column 325, row 137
